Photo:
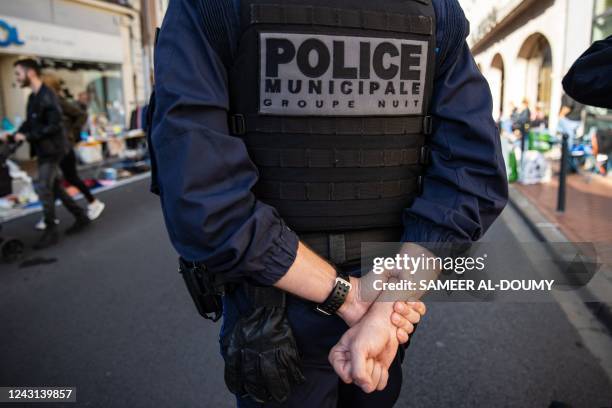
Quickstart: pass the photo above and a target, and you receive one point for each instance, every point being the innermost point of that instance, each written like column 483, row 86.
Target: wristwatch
column 337, row 297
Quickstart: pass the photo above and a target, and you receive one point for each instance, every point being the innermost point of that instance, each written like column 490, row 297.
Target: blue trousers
column 315, row 335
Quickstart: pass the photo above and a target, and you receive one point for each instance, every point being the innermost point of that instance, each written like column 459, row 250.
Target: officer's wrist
column 353, row 309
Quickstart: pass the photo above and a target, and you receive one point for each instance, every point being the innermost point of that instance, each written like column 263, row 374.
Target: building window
column 602, row 23
column 535, row 61
column 103, row 85
column 126, row 3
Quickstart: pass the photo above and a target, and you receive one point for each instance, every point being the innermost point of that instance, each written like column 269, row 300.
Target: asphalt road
column 109, row 315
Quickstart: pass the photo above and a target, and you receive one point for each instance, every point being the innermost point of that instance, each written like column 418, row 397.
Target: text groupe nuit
column 392, row 66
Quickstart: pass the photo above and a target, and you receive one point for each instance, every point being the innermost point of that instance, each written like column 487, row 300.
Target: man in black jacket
column 43, row 129
column 74, row 117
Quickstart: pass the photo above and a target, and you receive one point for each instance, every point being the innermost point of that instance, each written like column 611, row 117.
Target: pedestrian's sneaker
column 95, row 209
column 49, row 238
column 80, row 224
column 41, row 226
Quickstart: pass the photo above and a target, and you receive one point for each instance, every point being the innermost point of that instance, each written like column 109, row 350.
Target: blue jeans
column 315, row 335
column 568, row 127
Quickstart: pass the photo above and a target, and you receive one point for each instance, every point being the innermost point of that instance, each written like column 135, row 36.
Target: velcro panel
column 326, row 158
column 334, row 17
column 334, row 191
column 399, row 125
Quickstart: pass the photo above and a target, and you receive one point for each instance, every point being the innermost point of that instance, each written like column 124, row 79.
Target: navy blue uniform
column 589, row 79
column 205, row 176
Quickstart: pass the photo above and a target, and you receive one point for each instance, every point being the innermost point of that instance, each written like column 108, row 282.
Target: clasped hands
column 365, row 352
column 377, row 328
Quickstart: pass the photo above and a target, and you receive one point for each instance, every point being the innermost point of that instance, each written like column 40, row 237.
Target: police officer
column 284, row 135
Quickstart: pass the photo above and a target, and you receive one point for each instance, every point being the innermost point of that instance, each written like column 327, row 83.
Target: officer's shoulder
column 451, row 18
column 220, row 25
column 452, row 29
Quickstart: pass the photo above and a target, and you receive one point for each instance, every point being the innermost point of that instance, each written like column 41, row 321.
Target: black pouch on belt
column 205, row 292
column 262, row 360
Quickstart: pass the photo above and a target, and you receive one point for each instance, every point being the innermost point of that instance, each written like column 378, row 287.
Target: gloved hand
column 262, row 360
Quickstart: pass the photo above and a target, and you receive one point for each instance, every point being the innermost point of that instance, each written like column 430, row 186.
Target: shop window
column 535, row 57
column 126, row 3
column 497, row 78
column 102, row 85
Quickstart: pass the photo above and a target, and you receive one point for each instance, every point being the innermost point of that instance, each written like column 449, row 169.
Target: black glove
column 262, row 360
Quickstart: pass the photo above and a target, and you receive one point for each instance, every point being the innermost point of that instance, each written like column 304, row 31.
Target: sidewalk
column 587, row 219
column 588, row 211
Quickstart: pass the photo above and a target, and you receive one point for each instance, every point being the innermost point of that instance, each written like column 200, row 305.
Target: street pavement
column 107, row 312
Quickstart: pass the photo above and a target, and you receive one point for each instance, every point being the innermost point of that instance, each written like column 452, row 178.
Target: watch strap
column 337, row 297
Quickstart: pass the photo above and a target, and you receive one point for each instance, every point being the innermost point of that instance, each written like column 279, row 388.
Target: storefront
column 92, row 46
column 526, row 47
column 95, row 48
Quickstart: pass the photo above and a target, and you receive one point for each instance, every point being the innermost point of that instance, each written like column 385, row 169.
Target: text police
column 341, row 75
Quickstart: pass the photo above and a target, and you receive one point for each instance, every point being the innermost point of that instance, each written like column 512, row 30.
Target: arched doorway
column 497, row 78
column 536, row 57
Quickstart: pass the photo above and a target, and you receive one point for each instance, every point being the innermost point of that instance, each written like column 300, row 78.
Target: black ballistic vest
column 331, row 99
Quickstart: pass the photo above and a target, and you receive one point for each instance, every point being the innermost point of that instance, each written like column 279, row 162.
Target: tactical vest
column 331, row 100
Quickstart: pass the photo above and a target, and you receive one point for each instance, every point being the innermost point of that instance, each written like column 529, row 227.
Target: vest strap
column 425, row 155
column 335, row 17
column 237, row 125
column 241, row 124
column 428, row 125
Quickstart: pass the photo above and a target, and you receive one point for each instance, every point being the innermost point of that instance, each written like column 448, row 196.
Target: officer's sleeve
column 588, row 80
column 205, row 176
column 465, row 186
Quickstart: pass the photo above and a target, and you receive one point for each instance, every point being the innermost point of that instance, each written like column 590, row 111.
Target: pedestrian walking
column 570, row 118
column 43, row 130
column 73, row 120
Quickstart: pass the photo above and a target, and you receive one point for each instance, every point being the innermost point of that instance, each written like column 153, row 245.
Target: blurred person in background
column 43, row 130
column 73, row 120
column 513, row 112
column 83, row 100
column 523, row 119
column 539, row 118
column 570, row 118
column 506, row 123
